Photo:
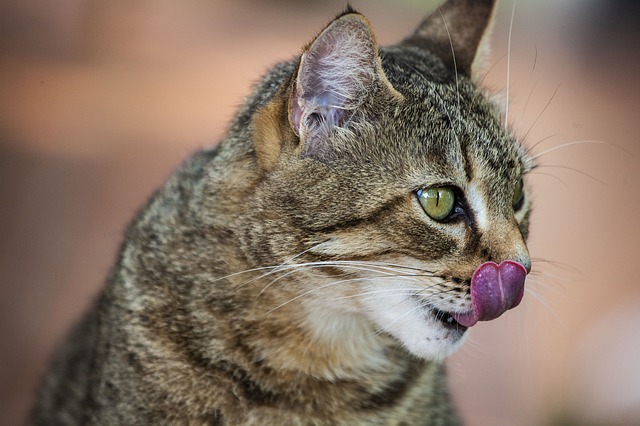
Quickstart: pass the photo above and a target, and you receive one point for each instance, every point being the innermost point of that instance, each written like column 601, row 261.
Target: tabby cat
column 365, row 208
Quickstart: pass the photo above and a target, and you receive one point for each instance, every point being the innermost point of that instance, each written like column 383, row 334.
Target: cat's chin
column 426, row 332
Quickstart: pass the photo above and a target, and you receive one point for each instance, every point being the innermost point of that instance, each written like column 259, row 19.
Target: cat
column 364, row 210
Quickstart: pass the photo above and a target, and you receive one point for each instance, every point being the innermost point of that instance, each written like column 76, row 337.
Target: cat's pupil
column 437, row 202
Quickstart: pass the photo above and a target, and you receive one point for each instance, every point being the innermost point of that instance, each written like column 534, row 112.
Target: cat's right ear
column 458, row 33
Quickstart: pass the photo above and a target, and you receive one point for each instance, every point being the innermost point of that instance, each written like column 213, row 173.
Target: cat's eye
column 518, row 195
column 437, row 202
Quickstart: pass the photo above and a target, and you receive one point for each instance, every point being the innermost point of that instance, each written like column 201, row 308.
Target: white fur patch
column 350, row 335
column 357, row 315
column 478, row 203
column 410, row 322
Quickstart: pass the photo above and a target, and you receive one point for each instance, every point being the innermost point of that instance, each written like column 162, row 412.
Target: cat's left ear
column 457, row 32
column 336, row 73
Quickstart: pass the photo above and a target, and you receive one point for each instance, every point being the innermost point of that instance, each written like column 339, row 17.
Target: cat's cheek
column 414, row 326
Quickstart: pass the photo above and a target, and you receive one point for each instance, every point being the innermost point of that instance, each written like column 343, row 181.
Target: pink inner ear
column 296, row 112
column 334, row 76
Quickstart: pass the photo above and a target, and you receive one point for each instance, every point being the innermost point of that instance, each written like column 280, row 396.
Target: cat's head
column 391, row 176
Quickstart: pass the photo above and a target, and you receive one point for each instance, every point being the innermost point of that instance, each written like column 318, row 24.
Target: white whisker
column 380, row 267
column 566, row 145
column 271, row 268
column 506, row 114
column 313, row 290
column 558, row 264
column 530, row 150
column 410, row 291
column 314, row 265
column 558, row 166
column 455, row 65
column 545, row 304
column 551, row 176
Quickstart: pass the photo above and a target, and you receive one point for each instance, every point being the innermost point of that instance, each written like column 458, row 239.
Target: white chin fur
column 413, row 325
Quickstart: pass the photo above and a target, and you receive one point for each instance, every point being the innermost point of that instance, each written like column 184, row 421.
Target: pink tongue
column 494, row 290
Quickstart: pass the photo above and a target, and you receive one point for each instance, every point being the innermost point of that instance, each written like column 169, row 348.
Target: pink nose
column 494, row 290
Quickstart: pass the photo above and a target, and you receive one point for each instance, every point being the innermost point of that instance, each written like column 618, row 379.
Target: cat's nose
column 518, row 255
column 512, row 247
column 504, row 241
column 524, row 260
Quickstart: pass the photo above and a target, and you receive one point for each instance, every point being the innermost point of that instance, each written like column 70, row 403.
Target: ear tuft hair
column 335, row 73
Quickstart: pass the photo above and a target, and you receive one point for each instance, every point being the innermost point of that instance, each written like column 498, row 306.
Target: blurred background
column 101, row 99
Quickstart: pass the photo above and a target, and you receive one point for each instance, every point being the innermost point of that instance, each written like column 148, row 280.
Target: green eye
column 518, row 194
column 438, row 203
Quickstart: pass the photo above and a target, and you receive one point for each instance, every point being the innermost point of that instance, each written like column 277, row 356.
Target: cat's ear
column 335, row 73
column 457, row 32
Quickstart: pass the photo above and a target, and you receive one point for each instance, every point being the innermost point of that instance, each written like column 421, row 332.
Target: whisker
column 276, row 279
column 533, row 68
column 526, row 104
column 246, row 271
column 537, row 282
column 541, row 280
column 506, row 114
column 379, row 267
column 530, row 150
column 395, row 290
column 566, row 145
column 473, row 347
column 315, row 289
column 551, row 176
column 541, row 112
column 272, row 267
column 556, row 264
column 557, row 166
column 306, row 266
column 382, row 293
column 491, row 68
column 455, row 65
column 377, row 264
column 545, row 304
column 387, row 265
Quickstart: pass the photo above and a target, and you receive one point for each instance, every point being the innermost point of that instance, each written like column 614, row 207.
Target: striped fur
column 289, row 276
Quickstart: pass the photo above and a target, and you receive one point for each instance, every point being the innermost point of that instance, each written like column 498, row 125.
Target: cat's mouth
column 448, row 320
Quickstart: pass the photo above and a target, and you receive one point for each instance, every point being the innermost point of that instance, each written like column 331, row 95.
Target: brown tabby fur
column 206, row 319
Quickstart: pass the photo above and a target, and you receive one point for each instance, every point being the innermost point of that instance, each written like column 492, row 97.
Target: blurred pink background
column 101, row 99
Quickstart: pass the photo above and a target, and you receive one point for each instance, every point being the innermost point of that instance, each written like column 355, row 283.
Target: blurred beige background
column 101, row 99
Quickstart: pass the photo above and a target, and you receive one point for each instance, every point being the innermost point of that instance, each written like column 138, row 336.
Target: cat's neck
column 330, row 344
